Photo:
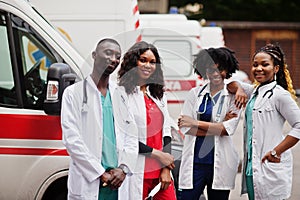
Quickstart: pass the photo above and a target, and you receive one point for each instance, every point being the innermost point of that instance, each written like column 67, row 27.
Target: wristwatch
column 274, row 154
column 124, row 168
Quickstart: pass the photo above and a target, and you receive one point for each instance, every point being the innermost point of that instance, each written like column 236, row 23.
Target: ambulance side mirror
column 58, row 78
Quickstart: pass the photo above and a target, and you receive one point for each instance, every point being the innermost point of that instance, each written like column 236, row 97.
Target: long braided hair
column 283, row 75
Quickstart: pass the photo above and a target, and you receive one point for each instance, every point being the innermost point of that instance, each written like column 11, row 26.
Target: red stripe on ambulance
column 34, row 151
column 175, row 101
column 179, row 85
column 22, row 126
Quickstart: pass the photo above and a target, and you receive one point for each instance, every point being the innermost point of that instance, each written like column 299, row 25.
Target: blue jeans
column 203, row 176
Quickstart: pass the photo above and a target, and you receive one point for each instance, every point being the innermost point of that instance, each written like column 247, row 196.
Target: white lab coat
column 272, row 181
column 226, row 159
column 137, row 109
column 82, row 135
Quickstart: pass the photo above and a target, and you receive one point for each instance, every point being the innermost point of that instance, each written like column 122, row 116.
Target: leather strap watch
column 274, row 154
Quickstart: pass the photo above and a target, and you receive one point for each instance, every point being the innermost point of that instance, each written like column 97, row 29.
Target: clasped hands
column 113, row 178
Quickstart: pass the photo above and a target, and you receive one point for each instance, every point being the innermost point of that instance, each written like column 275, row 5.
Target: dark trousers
column 203, row 176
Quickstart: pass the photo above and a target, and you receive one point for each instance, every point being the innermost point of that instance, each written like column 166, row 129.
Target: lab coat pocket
column 75, row 183
column 268, row 106
column 273, row 173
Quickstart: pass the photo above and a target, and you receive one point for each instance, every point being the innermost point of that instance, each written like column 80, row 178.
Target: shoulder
column 74, row 88
column 120, row 94
column 196, row 91
column 281, row 93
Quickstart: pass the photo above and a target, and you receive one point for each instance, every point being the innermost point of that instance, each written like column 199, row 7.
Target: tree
column 245, row 10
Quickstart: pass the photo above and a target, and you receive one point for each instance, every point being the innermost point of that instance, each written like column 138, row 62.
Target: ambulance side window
column 176, row 56
column 35, row 60
column 27, row 58
column 7, row 96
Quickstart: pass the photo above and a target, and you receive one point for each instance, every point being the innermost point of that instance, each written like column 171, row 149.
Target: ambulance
column 84, row 23
column 34, row 162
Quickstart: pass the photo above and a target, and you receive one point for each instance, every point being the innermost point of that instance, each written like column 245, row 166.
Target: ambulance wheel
column 58, row 190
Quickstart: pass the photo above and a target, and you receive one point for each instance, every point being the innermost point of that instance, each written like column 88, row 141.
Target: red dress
column 152, row 166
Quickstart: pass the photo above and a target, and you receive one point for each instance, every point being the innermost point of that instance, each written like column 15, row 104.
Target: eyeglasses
column 213, row 70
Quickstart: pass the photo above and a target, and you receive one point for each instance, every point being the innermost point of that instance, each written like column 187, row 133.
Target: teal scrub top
column 249, row 122
column 109, row 151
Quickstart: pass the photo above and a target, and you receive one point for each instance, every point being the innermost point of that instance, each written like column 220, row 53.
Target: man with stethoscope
column 100, row 155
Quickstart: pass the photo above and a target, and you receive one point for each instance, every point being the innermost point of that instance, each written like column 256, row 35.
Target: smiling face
column 263, row 68
column 216, row 76
column 106, row 58
column 146, row 65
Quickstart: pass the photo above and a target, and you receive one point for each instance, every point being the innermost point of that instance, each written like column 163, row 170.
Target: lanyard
column 219, row 111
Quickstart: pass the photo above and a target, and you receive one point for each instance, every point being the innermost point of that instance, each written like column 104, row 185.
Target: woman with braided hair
column 209, row 158
column 268, row 162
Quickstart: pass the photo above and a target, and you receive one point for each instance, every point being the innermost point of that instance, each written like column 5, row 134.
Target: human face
column 263, row 68
column 216, row 76
column 146, row 65
column 106, row 58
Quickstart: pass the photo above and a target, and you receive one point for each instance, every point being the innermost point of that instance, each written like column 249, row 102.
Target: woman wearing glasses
column 209, row 158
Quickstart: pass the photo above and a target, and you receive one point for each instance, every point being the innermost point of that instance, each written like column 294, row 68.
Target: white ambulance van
column 34, row 162
column 86, row 22
column 211, row 36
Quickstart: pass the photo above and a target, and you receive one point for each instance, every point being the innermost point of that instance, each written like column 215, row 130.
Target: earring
column 275, row 77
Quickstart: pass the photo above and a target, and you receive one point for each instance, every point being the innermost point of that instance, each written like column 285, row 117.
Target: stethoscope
column 85, row 97
column 220, row 107
column 269, row 91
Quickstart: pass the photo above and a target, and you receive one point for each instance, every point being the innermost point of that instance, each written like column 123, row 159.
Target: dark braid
column 223, row 57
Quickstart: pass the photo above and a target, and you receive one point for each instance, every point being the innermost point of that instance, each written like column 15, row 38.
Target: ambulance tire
column 58, row 190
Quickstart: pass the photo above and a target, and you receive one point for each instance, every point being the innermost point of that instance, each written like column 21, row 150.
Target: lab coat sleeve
column 231, row 125
column 189, row 102
column 126, row 130
column 248, row 88
column 290, row 111
column 84, row 160
column 188, row 106
column 167, row 124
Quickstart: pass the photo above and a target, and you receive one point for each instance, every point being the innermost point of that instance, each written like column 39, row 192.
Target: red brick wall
column 245, row 41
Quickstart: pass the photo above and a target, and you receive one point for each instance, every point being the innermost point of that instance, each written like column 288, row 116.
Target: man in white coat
column 101, row 154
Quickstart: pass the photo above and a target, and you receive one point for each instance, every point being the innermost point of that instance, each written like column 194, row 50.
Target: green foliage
column 245, row 10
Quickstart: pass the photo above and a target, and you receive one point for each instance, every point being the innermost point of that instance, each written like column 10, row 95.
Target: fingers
column 117, row 178
column 180, row 120
column 171, row 166
column 165, row 178
column 241, row 102
column 165, row 185
column 268, row 157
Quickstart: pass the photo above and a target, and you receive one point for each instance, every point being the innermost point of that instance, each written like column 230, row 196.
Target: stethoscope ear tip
column 84, row 108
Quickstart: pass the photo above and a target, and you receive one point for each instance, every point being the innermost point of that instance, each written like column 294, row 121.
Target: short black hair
column 108, row 40
column 222, row 56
